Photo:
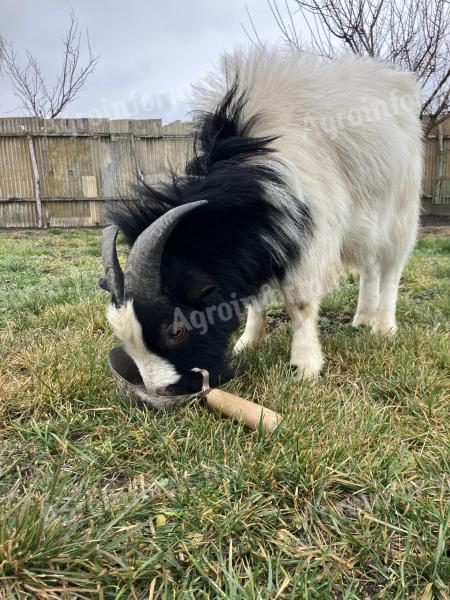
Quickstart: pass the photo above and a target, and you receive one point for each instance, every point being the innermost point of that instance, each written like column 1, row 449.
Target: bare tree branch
column 29, row 83
column 2, row 51
column 412, row 35
column 255, row 32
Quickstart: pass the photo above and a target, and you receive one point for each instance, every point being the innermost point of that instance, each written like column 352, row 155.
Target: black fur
column 221, row 247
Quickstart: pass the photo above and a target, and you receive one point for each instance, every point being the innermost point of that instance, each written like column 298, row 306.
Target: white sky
column 150, row 50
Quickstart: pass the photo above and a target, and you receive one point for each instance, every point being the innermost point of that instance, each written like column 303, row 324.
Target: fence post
column 37, row 182
column 133, row 152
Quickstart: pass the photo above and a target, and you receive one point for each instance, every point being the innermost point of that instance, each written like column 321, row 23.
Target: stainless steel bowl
column 130, row 383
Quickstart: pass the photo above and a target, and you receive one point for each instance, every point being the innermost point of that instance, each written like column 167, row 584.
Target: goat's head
column 167, row 335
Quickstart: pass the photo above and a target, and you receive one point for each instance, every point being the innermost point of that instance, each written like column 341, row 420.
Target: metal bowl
column 129, row 382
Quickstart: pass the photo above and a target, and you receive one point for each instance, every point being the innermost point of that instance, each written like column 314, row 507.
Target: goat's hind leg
column 377, row 297
column 369, row 296
column 385, row 321
column 392, row 264
column 401, row 238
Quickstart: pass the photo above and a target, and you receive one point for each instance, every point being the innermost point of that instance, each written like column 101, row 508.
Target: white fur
column 155, row 371
column 350, row 140
column 255, row 329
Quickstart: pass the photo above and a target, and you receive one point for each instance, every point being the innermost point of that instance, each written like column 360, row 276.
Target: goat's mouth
column 131, row 385
column 192, row 383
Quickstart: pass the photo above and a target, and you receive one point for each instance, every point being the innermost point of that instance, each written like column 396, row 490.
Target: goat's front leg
column 306, row 353
column 255, row 328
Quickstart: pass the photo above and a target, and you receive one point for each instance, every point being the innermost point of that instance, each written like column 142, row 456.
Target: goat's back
column 349, row 133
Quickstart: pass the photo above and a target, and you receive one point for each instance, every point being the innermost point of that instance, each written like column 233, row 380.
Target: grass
column 99, row 498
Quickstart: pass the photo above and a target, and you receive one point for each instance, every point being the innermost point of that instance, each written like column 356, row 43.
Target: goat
column 303, row 168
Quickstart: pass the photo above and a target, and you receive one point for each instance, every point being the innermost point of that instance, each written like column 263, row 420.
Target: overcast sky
column 150, row 50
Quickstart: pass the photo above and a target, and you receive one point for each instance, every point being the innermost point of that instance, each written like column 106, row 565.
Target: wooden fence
column 436, row 179
column 60, row 172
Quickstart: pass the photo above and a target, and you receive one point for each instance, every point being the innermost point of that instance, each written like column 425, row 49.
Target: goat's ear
column 103, row 284
column 200, row 292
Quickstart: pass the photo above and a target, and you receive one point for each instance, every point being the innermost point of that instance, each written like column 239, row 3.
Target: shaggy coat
column 309, row 168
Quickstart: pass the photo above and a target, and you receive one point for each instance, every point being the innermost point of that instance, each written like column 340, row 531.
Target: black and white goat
column 303, row 168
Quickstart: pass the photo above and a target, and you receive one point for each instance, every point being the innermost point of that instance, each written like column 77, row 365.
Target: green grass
column 103, row 499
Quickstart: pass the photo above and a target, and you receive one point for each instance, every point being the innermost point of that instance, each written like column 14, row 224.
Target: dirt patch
column 440, row 230
column 276, row 318
column 327, row 320
column 435, row 225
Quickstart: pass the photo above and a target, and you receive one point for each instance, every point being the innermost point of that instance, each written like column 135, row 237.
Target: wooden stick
column 238, row 408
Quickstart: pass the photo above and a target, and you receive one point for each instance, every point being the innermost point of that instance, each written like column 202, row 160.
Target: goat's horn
column 143, row 271
column 111, row 265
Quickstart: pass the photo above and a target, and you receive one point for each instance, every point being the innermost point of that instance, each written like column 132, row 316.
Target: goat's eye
column 176, row 332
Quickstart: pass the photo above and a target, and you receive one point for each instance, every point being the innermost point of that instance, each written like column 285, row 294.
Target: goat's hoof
column 388, row 329
column 241, row 345
column 245, row 343
column 307, row 370
column 363, row 319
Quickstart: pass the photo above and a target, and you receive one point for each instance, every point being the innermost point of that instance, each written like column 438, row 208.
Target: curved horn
column 143, row 270
column 111, row 265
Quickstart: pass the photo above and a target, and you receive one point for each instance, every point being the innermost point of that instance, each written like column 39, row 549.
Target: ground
column 100, row 498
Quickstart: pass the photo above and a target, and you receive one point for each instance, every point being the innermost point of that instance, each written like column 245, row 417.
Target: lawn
column 100, row 498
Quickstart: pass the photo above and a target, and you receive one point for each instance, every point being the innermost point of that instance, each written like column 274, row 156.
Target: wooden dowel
column 239, row 408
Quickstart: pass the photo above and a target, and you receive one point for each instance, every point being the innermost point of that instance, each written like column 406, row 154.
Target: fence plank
column 37, row 182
